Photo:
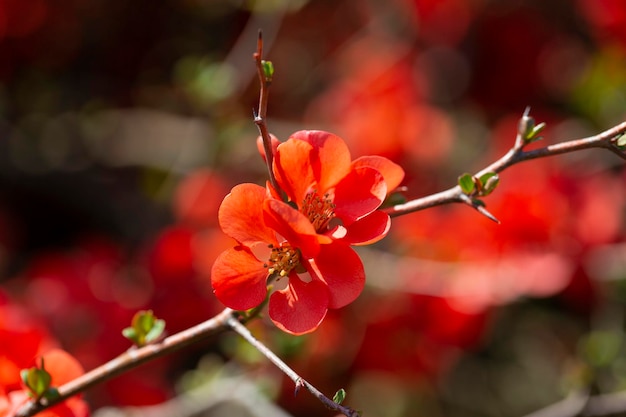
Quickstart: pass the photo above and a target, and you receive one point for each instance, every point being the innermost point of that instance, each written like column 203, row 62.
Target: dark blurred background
column 123, row 125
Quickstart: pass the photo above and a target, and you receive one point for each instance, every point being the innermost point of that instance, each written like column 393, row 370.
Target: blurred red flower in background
column 62, row 368
column 415, row 336
column 607, row 18
column 23, row 342
column 21, row 339
column 391, row 117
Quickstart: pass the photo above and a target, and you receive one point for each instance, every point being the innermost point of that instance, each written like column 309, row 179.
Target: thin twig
column 580, row 403
column 261, row 114
column 517, row 154
column 480, row 208
column 131, row 359
column 605, row 405
column 571, row 406
column 243, row 331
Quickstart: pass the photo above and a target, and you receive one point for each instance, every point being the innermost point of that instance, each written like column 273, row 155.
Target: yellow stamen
column 319, row 210
column 283, row 259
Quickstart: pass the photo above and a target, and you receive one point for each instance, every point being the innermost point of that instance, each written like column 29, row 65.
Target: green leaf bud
column 466, row 182
column 268, row 70
column 339, row 396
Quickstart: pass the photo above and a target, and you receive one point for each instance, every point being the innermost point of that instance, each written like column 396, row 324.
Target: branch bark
column 297, row 379
column 131, row 359
column 517, row 154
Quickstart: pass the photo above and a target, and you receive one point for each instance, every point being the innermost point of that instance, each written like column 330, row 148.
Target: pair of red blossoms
column 303, row 243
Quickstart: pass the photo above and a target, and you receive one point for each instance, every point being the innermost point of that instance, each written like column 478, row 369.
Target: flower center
column 319, row 210
column 282, row 259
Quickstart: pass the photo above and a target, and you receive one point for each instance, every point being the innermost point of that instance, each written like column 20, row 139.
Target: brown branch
column 517, row 154
column 243, row 331
column 585, row 405
column 478, row 207
column 605, row 404
column 131, row 359
column 260, row 115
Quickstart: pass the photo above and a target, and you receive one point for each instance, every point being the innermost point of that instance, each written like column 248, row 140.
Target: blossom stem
column 517, row 154
column 243, row 331
column 130, row 359
column 261, row 114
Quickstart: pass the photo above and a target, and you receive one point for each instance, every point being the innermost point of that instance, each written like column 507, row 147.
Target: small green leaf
column 37, row 380
column 268, row 70
column 156, row 331
column 339, row 396
column 621, row 140
column 489, row 182
column 42, row 381
column 466, row 182
column 145, row 328
column 24, row 376
column 527, row 128
column 144, row 322
column 534, row 133
column 130, row 334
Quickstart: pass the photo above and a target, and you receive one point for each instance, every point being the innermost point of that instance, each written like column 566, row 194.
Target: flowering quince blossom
column 62, row 368
column 308, row 244
column 339, row 196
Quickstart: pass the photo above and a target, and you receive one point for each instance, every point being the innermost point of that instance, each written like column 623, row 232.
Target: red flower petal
column 4, row 403
column 293, row 168
column 300, row 307
column 293, row 226
column 239, row 279
column 330, row 158
column 392, row 172
column 359, row 193
column 198, row 198
column 369, row 229
column 342, row 270
column 241, row 215
column 62, row 366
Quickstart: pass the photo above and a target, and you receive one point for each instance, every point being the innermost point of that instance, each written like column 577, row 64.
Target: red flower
column 63, row 368
column 340, row 197
column 275, row 240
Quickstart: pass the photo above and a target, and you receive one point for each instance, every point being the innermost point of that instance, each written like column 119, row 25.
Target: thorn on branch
column 259, row 46
column 482, row 210
column 299, row 384
column 479, row 206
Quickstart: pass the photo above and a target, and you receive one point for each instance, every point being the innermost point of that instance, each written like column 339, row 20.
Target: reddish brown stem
column 517, row 154
column 261, row 113
column 132, row 358
column 297, row 379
